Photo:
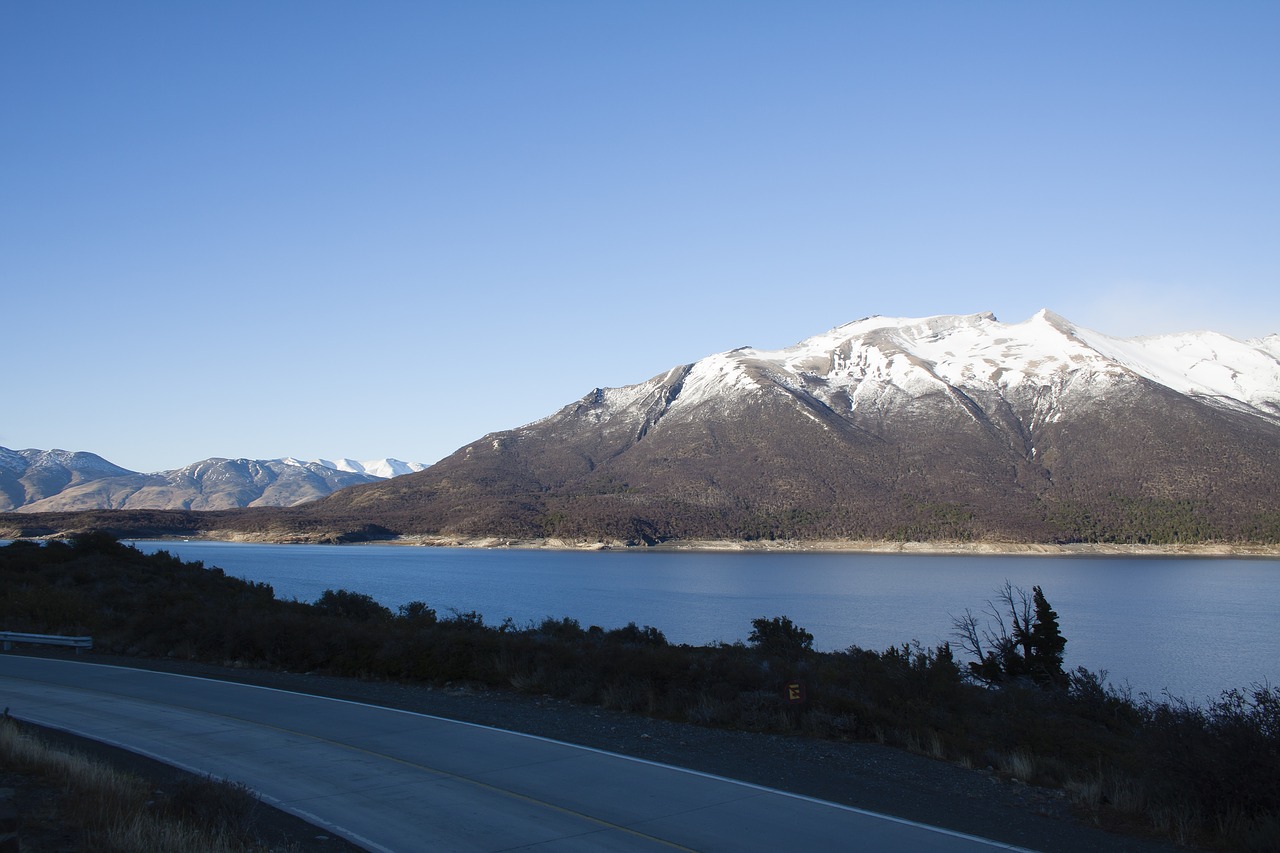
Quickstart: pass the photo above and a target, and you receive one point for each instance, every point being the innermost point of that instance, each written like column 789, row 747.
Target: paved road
column 391, row 780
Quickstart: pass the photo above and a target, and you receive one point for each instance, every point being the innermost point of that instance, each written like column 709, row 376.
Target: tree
column 781, row 637
column 1045, row 644
column 1028, row 645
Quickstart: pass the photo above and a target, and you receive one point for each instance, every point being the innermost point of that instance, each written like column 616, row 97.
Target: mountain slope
column 943, row 427
column 27, row 476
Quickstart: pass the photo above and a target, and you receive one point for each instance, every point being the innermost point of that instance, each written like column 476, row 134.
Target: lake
column 1193, row 627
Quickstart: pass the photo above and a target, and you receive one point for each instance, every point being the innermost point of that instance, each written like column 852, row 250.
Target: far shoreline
column 834, row 546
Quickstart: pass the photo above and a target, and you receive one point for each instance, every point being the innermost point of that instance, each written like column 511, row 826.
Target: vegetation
column 1144, row 521
column 1208, row 774
column 645, row 517
column 1030, row 646
column 110, row 810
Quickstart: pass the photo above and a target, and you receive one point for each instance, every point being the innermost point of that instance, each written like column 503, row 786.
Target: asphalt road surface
column 392, row 780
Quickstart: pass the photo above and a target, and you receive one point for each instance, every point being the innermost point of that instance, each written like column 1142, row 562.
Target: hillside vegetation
column 1115, row 518
column 1208, row 774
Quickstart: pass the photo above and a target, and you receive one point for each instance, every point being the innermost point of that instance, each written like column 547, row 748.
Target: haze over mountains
column 60, row 480
column 941, row 428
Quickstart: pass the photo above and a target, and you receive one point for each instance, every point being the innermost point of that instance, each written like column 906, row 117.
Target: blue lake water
column 1193, row 627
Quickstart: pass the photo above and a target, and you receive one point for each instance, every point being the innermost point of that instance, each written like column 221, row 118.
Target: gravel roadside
column 862, row 775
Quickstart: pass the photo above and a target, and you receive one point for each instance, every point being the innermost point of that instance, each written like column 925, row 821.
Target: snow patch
column 874, row 364
column 382, row 468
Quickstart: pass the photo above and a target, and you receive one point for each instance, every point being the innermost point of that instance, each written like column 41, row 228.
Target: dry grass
column 116, row 811
column 1183, row 822
column 928, row 744
column 1018, row 765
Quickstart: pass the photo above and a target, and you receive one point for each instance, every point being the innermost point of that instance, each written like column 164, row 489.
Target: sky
column 321, row 229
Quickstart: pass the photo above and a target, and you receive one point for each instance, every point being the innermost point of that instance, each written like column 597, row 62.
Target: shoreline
column 993, row 549
column 1231, row 550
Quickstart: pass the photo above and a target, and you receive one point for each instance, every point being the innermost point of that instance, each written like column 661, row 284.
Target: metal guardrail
column 8, row 638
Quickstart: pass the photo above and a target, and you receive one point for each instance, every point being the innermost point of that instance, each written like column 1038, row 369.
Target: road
column 391, row 780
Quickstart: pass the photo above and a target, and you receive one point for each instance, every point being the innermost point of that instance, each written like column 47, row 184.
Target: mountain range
column 60, row 480
column 938, row 428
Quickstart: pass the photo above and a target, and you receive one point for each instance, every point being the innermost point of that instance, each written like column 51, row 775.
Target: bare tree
column 970, row 633
column 1006, row 639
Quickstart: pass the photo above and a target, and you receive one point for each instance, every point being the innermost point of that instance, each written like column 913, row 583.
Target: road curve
column 391, row 780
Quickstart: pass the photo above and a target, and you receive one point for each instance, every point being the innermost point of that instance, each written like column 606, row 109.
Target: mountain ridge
column 955, row 428
column 59, row 480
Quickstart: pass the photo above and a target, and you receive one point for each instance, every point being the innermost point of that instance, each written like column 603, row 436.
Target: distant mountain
column 61, row 481
column 950, row 427
column 27, row 476
column 383, row 469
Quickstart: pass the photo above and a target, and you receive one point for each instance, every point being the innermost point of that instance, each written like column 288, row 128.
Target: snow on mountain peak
column 1269, row 344
column 1201, row 364
column 388, row 467
column 384, row 468
column 349, row 465
column 855, row 364
column 78, row 461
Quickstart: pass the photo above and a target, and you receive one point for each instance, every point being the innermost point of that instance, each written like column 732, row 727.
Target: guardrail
column 8, row 638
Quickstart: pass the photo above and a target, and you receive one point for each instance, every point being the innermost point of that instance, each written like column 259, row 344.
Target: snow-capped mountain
column 383, row 469
column 949, row 426
column 870, row 364
column 58, row 480
column 32, row 475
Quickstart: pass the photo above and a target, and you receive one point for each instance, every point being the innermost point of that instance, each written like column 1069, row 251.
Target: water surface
column 1192, row 626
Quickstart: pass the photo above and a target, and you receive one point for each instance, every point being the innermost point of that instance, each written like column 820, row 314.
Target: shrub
column 780, row 637
column 356, row 606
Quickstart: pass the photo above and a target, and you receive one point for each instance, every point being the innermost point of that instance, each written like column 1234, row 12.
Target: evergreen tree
column 1022, row 640
column 1046, row 643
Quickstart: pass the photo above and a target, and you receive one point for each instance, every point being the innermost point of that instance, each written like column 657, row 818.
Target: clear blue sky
column 385, row 229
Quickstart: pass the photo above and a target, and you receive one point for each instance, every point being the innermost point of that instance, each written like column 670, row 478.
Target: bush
column 780, row 637
column 632, row 635
column 355, row 606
